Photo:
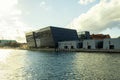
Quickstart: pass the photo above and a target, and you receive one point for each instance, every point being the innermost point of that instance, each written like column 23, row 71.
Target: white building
column 68, row 45
column 111, row 43
column 85, row 44
column 92, row 44
column 89, row 44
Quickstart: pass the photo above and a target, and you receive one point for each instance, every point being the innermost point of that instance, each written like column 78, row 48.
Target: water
column 36, row 65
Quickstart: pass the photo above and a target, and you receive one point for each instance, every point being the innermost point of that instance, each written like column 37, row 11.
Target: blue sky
column 20, row 16
column 43, row 13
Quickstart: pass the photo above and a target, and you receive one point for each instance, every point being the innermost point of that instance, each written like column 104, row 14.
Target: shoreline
column 68, row 50
column 75, row 50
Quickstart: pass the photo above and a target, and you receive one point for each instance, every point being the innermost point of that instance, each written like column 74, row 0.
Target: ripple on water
column 35, row 65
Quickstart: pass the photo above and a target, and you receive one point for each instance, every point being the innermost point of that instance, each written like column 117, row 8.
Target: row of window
column 89, row 47
column 66, row 47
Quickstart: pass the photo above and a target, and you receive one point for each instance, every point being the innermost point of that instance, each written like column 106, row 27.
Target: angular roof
column 63, row 34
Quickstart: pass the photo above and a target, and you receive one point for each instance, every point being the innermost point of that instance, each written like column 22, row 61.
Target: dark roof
column 63, row 34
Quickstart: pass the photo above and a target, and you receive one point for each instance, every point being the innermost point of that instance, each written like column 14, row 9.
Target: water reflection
column 4, row 54
column 98, row 66
column 50, row 66
column 35, row 65
column 12, row 68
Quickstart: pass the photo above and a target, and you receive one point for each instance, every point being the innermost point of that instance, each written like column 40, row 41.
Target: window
column 100, row 45
column 80, row 45
column 72, row 47
column 65, row 47
column 111, row 46
column 89, row 47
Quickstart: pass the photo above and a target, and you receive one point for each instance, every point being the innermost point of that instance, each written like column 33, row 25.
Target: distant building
column 50, row 36
column 6, row 42
column 23, row 45
column 84, row 35
column 99, row 36
column 113, row 43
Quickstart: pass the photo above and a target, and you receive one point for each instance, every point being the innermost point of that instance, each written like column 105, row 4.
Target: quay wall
column 75, row 50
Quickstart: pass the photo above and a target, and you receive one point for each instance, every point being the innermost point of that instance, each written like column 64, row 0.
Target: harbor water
column 37, row 65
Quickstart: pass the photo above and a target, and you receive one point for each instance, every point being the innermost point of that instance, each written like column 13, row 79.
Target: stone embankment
column 76, row 50
column 90, row 50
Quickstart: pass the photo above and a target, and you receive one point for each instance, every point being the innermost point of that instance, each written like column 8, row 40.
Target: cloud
column 84, row 2
column 44, row 6
column 105, row 14
column 43, row 3
column 11, row 25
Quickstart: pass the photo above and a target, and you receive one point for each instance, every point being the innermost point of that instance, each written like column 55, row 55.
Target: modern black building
column 50, row 36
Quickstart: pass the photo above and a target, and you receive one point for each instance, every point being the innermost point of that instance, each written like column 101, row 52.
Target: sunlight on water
column 4, row 54
column 11, row 64
column 36, row 65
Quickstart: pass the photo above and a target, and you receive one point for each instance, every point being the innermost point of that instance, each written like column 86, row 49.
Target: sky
column 20, row 16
